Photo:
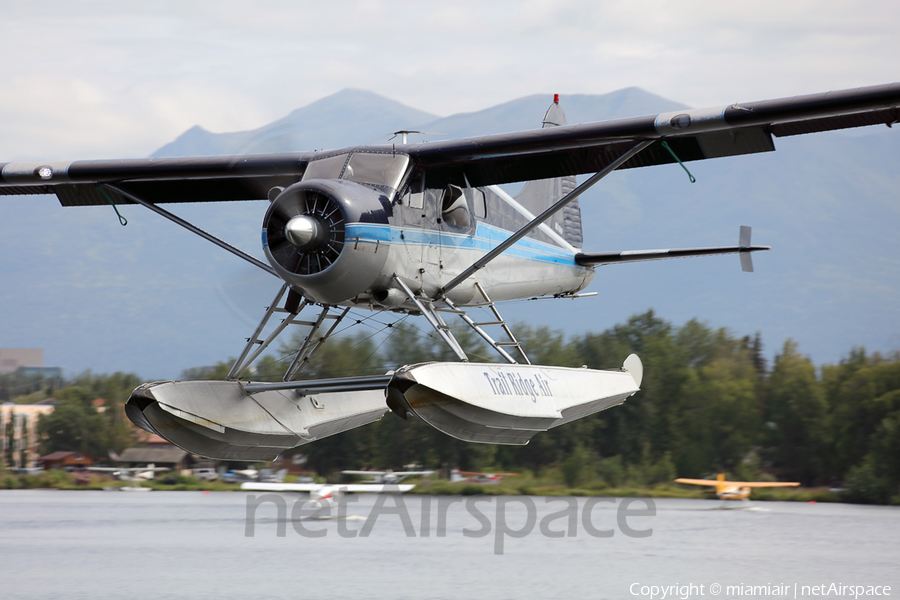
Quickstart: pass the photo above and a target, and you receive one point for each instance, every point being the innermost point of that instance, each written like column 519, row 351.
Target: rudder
column 538, row 195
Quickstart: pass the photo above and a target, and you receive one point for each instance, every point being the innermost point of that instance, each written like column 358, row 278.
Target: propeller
column 305, row 231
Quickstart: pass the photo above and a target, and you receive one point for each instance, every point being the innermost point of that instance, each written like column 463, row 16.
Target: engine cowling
column 312, row 237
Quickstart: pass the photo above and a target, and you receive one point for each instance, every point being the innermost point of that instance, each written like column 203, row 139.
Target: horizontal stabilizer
column 744, row 249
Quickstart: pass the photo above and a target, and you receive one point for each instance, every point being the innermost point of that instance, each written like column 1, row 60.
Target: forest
column 710, row 402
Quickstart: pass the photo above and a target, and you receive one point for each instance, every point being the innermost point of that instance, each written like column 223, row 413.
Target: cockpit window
column 325, row 168
column 364, row 167
column 376, row 169
column 454, row 208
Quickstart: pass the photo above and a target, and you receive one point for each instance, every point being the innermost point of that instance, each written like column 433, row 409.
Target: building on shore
column 19, row 433
column 67, row 460
column 172, row 457
column 12, row 359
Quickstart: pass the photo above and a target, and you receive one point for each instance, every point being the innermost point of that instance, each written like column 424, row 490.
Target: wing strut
column 434, row 319
column 192, row 228
column 500, row 249
column 498, row 346
column 311, row 342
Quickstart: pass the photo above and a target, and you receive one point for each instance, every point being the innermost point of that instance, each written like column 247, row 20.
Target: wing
column 395, row 473
column 690, row 135
column 310, row 487
column 280, row 487
column 374, row 487
column 127, row 469
column 752, row 484
column 700, row 481
column 539, row 154
column 764, row 484
column 156, row 180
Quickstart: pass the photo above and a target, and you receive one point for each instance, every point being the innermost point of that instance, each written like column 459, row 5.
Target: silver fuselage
column 382, row 235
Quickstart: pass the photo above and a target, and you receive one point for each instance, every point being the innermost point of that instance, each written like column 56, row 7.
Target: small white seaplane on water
column 379, row 482
column 457, row 476
column 133, row 475
column 322, row 496
column 423, row 229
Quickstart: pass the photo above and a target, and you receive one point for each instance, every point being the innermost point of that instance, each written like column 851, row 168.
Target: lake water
column 84, row 544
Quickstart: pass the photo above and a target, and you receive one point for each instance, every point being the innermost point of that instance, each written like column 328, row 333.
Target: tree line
column 709, row 402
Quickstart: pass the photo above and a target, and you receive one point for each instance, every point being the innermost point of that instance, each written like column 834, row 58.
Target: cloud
column 114, row 79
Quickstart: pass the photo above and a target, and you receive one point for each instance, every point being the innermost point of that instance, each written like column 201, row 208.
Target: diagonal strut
column 500, row 249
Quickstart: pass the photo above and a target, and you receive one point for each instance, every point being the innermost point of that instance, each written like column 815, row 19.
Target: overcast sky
column 110, row 78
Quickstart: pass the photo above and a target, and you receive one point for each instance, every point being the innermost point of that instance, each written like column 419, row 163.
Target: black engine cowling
column 314, row 237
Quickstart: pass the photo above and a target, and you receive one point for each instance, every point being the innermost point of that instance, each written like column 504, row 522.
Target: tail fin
column 720, row 478
column 539, row 195
column 744, row 242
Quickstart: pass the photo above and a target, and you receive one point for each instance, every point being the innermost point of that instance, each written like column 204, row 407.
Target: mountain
column 526, row 113
column 153, row 299
column 351, row 117
column 346, row 118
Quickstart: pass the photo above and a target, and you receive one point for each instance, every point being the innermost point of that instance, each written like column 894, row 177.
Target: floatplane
column 323, row 495
column 424, row 229
column 387, row 477
column 379, row 482
column 735, row 490
column 457, row 476
column 133, row 475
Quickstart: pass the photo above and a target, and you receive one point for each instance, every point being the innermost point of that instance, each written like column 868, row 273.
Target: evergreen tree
column 798, row 412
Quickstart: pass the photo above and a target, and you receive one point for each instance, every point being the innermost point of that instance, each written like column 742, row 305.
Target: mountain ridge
column 350, row 114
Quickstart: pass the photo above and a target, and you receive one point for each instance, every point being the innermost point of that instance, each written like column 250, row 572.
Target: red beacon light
column 556, row 98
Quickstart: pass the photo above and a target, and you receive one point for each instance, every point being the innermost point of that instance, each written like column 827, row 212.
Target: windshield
column 364, row 167
column 325, row 168
column 377, row 169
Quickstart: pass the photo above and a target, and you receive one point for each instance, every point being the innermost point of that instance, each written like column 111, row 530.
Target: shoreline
column 65, row 481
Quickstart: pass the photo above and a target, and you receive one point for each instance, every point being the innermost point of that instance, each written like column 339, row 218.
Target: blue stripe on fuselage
column 486, row 238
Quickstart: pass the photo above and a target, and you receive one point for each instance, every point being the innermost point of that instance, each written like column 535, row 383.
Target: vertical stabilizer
column 720, row 483
column 539, row 195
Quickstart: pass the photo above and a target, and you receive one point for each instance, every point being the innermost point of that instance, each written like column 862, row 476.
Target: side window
column 415, row 195
column 479, row 205
column 454, row 209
